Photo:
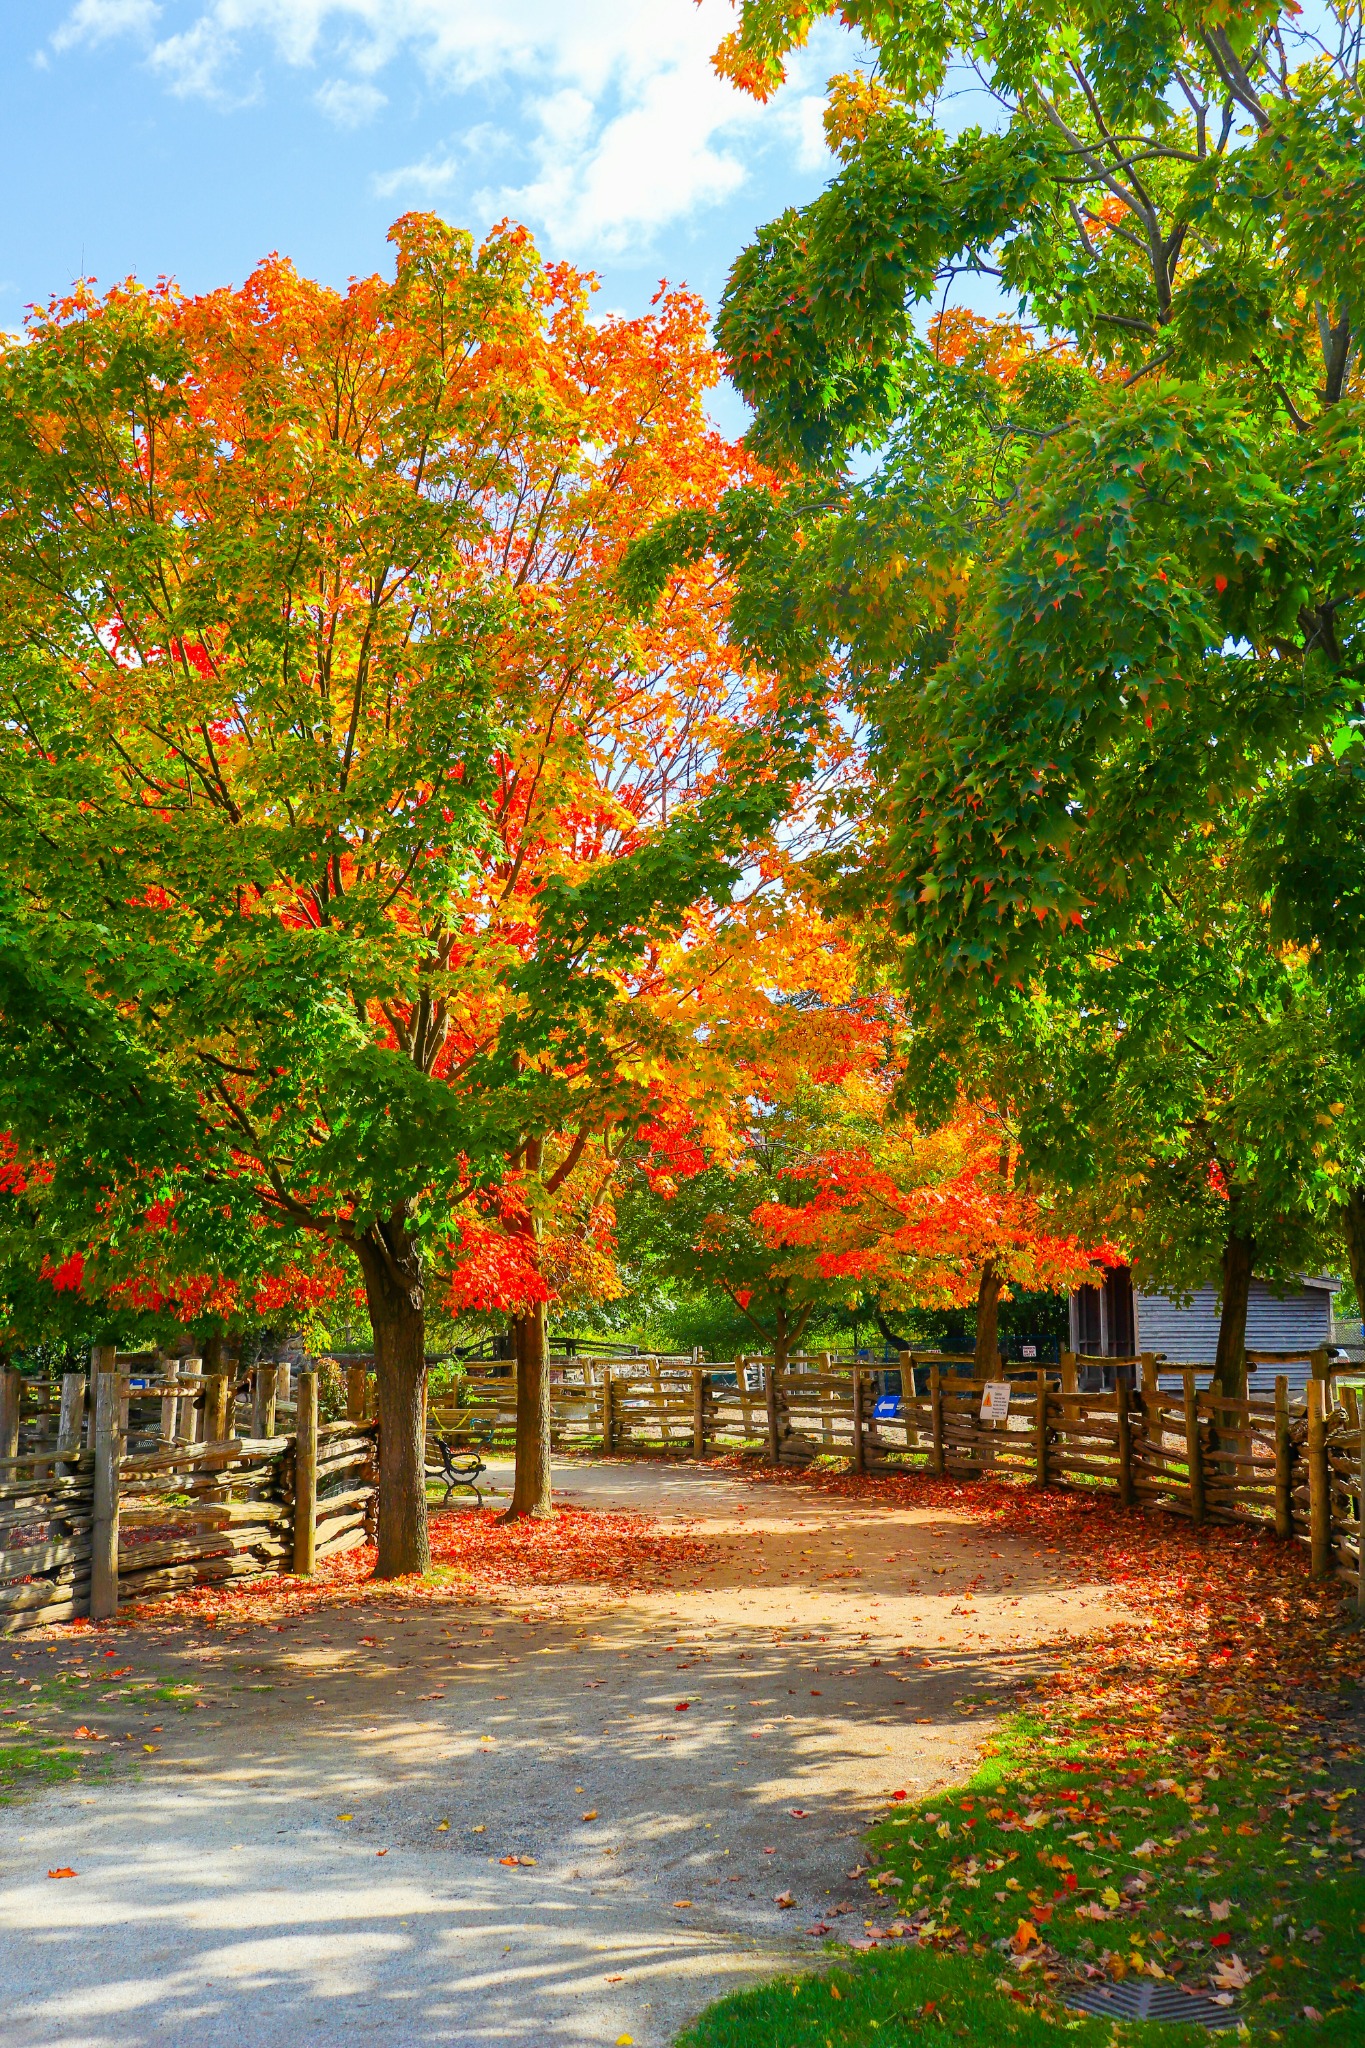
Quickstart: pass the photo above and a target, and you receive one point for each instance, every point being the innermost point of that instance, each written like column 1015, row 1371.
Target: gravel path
column 222, row 1900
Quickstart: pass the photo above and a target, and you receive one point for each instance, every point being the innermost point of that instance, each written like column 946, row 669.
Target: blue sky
column 189, row 137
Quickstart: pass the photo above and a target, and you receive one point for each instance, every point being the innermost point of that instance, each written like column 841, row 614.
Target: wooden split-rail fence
column 1297, row 1466
column 124, row 1485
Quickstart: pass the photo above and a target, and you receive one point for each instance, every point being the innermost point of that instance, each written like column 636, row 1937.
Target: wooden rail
column 1264, row 1460
column 134, row 1514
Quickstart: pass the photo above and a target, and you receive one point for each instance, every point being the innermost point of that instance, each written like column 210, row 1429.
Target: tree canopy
column 348, row 813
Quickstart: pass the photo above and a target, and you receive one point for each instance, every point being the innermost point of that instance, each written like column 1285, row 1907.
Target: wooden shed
column 1122, row 1318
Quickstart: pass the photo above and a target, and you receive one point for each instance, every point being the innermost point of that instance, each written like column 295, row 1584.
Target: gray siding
column 1275, row 1322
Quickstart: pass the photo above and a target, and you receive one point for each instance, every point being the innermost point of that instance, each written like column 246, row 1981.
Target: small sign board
column 995, row 1401
column 1028, row 1350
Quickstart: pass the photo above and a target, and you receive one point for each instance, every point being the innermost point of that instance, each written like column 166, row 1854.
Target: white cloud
column 99, row 21
column 349, row 101
column 621, row 125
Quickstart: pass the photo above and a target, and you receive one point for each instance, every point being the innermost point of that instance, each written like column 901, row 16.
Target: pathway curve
column 222, row 1902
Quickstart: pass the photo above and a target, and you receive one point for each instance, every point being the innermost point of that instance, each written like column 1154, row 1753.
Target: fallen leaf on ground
column 1219, row 1909
column 65, row 1871
column 591, row 1813
column 784, row 1899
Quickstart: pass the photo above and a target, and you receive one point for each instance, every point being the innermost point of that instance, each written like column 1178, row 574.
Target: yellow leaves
column 1111, row 1898
column 855, row 102
column 591, row 1813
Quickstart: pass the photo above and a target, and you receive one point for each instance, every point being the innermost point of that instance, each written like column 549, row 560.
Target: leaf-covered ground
column 474, row 1555
column 1180, row 1800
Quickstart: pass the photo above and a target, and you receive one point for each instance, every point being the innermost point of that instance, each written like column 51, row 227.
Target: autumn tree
column 346, row 808
column 1097, row 572
column 932, row 1219
column 1173, row 208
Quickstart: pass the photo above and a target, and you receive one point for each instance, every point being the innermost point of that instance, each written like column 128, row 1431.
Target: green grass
column 34, row 1761
column 914, row 1996
column 993, row 1888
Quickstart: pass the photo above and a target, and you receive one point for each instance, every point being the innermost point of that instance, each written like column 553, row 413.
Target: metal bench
column 460, row 1468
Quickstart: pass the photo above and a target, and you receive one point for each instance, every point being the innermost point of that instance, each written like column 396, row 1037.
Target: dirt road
column 317, row 1850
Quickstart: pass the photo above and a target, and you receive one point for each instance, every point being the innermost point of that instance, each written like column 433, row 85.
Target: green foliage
column 1097, row 593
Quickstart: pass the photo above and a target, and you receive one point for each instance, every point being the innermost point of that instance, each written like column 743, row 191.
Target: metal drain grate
column 1148, row 2001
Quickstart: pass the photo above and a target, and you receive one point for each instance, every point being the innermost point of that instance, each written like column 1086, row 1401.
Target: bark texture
column 988, row 1322
column 394, row 1276
column 1230, row 1362
column 1352, row 1215
column 531, row 1489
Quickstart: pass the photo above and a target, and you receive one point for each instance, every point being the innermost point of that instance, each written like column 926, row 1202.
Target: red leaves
column 576, row 1547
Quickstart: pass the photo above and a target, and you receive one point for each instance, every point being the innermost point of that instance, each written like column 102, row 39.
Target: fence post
column 356, row 1377
column 306, row 1475
column 608, row 1417
column 936, row 1420
column 1284, row 1502
column 11, row 1391
column 1040, row 1430
column 1123, row 1418
column 108, row 1444
column 1068, row 1372
column 770, row 1396
column 263, row 1405
column 1194, row 1456
column 191, row 1414
column 859, row 1443
column 170, row 1370
column 698, row 1412
column 1319, row 1499
column 216, row 1387
column 72, row 1415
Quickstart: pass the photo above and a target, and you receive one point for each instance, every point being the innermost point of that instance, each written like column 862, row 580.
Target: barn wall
column 1189, row 1336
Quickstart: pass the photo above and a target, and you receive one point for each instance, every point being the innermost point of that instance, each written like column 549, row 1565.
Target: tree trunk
column 988, row 1322
column 1230, row 1363
column 531, row 1483
column 1352, row 1216
column 392, row 1266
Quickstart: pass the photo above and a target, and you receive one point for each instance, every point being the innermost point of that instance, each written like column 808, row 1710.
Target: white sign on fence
column 995, row 1401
